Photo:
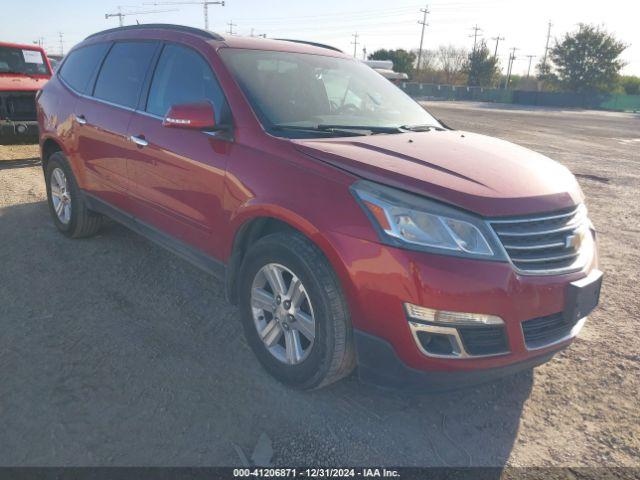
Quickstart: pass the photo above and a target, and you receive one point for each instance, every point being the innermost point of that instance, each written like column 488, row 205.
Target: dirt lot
column 113, row 352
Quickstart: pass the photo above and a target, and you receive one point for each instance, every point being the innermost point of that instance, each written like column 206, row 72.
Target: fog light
column 450, row 318
column 22, row 129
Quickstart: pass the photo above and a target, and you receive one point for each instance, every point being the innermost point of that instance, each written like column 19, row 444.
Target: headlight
column 411, row 221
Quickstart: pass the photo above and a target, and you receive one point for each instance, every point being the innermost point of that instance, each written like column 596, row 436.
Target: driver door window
column 183, row 76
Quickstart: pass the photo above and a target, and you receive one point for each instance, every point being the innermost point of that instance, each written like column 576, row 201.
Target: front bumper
column 380, row 279
column 11, row 131
column 378, row 364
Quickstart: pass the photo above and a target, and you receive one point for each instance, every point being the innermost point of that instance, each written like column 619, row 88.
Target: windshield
column 294, row 94
column 23, row 61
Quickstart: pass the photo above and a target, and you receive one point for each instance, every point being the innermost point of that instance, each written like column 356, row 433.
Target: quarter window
column 122, row 74
column 78, row 69
column 183, row 76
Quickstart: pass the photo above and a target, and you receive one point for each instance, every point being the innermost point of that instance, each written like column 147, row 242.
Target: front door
column 177, row 175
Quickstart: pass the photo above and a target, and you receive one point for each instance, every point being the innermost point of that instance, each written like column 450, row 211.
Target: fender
column 242, row 221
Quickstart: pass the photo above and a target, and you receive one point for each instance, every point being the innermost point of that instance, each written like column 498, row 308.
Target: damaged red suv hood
column 481, row 174
column 21, row 83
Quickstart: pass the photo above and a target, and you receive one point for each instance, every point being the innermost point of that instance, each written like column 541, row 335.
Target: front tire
column 67, row 205
column 294, row 314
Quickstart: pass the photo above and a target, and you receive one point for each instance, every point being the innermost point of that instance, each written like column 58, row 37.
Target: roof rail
column 166, row 26
column 313, row 44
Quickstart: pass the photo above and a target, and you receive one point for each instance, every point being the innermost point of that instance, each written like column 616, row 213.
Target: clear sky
column 379, row 23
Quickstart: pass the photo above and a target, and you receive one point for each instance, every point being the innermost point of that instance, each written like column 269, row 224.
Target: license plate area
column 582, row 297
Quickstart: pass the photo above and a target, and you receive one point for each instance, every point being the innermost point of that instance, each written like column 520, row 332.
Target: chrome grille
column 18, row 106
column 545, row 243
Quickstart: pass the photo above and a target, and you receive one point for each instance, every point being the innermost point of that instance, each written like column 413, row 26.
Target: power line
column 355, row 43
column 205, row 7
column 424, row 23
column 120, row 14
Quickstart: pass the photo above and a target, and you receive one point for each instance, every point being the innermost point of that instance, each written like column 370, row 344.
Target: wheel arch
column 49, row 147
column 260, row 223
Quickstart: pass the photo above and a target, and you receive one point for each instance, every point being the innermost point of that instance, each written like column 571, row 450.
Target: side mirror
column 196, row 116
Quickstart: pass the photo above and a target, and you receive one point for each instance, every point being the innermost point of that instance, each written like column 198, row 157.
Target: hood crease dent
column 481, row 174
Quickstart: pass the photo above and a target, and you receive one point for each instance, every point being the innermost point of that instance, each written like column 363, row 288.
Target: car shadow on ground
column 20, row 163
column 136, row 358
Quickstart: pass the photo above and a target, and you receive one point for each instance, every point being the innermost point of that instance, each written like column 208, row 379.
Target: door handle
column 81, row 120
column 140, row 141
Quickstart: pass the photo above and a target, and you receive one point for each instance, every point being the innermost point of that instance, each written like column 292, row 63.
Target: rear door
column 178, row 176
column 103, row 117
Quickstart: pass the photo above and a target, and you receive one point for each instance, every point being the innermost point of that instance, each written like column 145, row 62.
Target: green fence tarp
column 597, row 101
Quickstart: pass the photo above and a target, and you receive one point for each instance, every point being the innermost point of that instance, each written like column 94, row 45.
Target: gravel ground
column 114, row 352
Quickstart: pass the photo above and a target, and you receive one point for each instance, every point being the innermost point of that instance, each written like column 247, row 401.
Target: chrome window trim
column 90, row 97
column 572, row 334
column 459, row 351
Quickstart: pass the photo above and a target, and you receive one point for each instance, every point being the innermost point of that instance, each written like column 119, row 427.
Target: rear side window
column 81, row 64
column 123, row 71
column 183, row 76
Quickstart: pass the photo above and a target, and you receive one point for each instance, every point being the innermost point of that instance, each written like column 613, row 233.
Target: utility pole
column 355, row 43
column 364, row 53
column 546, row 48
column 497, row 39
column 120, row 16
column 512, row 58
column 61, row 43
column 231, row 25
column 205, row 7
column 424, row 23
column 475, row 29
column 530, row 57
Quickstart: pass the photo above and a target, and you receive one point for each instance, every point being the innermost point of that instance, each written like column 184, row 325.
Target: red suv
column 24, row 69
column 350, row 226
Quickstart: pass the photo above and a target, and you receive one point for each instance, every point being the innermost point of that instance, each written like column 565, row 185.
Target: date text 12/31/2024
column 315, row 473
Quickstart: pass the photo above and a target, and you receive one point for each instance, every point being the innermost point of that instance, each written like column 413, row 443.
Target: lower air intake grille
column 484, row 340
column 542, row 331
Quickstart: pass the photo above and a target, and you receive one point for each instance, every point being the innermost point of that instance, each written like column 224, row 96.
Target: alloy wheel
column 61, row 196
column 283, row 314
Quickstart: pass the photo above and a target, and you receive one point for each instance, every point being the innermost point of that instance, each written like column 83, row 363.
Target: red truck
column 349, row 225
column 24, row 69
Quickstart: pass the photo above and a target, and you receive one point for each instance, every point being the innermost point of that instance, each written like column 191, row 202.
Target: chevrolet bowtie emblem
column 573, row 241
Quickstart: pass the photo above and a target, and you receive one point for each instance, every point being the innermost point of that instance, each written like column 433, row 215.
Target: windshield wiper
column 370, row 128
column 331, row 130
column 421, row 128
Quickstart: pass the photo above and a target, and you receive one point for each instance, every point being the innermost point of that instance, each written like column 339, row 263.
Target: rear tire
column 67, row 204
column 330, row 354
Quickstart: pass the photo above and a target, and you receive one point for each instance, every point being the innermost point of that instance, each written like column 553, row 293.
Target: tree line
column 585, row 60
